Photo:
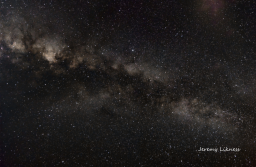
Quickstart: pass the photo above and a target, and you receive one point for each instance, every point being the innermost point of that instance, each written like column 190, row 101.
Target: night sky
column 127, row 82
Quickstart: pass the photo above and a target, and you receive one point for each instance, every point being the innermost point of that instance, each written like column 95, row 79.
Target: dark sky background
column 128, row 82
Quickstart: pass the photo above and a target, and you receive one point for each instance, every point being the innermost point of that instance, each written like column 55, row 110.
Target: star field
column 127, row 83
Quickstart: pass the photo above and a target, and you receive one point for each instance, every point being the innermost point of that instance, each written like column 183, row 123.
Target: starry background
column 127, row 83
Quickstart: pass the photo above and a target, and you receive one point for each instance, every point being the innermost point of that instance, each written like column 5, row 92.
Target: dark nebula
column 127, row 83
